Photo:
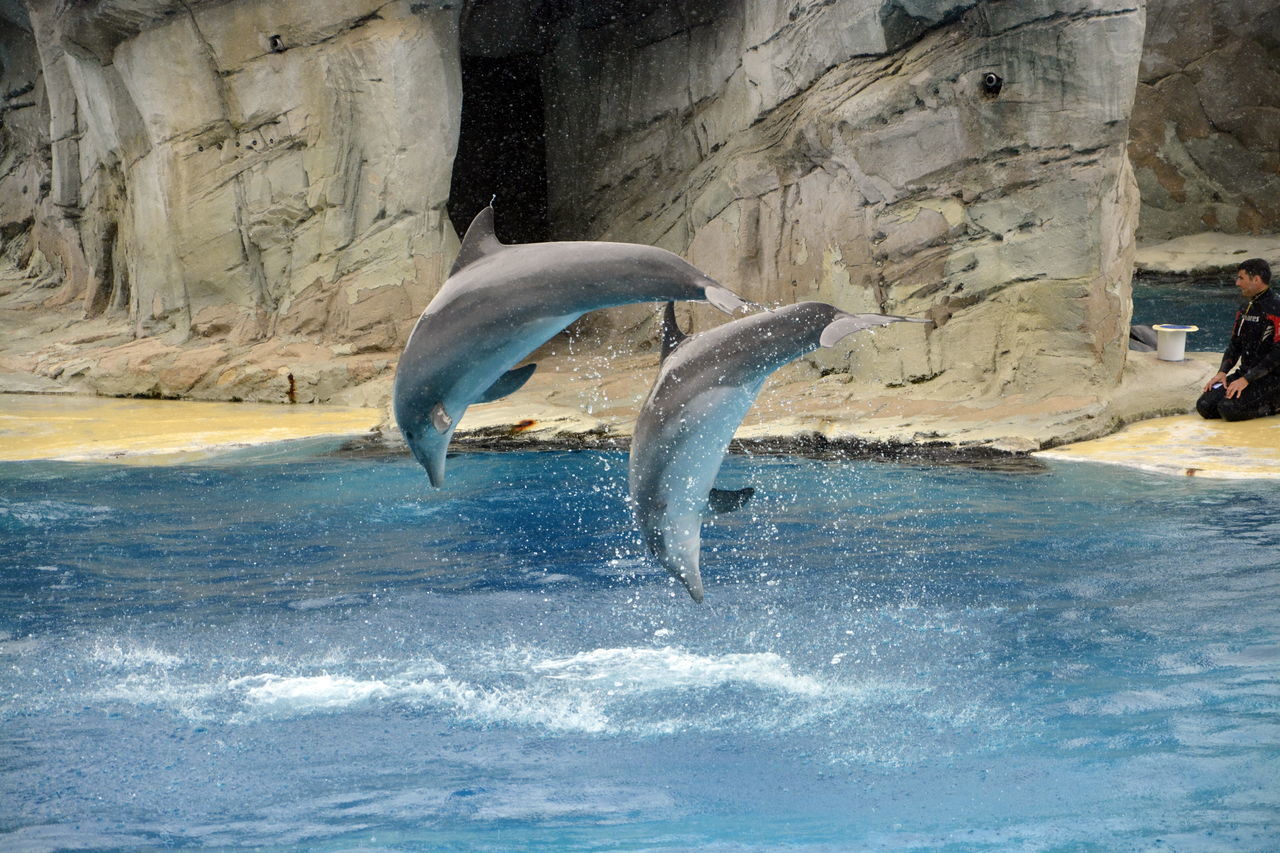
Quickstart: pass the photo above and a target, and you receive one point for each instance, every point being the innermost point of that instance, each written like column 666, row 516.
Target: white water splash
column 117, row 654
column 629, row 690
column 669, row 668
column 41, row 513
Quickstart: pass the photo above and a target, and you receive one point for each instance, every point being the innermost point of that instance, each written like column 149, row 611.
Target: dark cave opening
column 502, row 148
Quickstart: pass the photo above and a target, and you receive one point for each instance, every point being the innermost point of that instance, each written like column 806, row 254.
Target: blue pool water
column 1209, row 303
column 322, row 653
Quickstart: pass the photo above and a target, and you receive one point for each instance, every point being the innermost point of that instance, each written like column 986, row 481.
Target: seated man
column 1250, row 389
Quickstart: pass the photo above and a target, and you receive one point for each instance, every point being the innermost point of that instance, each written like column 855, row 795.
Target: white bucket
column 1171, row 341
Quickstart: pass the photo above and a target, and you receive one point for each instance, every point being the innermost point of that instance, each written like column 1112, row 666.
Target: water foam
column 292, row 694
column 669, row 668
column 639, row 691
column 41, row 513
column 273, row 696
column 126, row 655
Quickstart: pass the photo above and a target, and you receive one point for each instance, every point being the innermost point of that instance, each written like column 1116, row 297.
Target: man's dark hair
column 1258, row 267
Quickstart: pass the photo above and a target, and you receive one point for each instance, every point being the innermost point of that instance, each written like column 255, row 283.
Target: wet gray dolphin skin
column 704, row 388
column 500, row 303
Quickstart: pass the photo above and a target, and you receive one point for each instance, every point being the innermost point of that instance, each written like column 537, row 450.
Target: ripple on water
column 46, row 513
column 293, row 654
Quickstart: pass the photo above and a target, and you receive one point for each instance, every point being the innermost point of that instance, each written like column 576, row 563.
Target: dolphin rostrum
column 704, row 388
column 500, row 303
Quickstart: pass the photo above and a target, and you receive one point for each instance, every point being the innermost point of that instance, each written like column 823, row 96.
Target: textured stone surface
column 225, row 174
column 1207, row 253
column 246, row 199
column 1206, row 123
column 316, row 163
column 846, row 159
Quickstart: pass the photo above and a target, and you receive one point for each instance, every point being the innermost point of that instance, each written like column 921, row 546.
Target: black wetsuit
column 1255, row 344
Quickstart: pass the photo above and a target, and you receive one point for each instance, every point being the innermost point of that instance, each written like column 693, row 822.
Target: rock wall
column 226, row 174
column 1206, row 124
column 246, row 199
column 28, row 218
column 961, row 160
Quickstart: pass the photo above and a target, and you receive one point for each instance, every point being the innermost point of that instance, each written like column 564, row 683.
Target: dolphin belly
column 448, row 366
column 490, row 356
column 675, row 457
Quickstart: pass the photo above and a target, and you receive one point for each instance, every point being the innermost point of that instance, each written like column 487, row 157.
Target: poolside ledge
column 107, row 429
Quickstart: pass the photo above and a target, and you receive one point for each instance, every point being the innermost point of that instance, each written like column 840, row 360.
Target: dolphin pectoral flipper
column 728, row 500
column 847, row 324
column 440, row 418
column 508, row 383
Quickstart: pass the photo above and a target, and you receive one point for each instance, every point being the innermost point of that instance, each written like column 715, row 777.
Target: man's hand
column 1215, row 379
column 1235, row 388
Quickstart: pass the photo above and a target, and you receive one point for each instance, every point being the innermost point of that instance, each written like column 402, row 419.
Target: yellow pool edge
column 89, row 429
column 1188, row 446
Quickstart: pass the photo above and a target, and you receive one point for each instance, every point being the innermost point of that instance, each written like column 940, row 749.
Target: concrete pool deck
column 1186, row 445
column 158, row 432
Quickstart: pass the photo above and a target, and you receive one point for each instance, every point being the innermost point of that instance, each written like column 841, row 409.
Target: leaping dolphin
column 704, row 388
column 500, row 303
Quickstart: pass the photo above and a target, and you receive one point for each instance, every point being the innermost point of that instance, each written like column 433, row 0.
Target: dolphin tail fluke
column 683, row 564
column 508, row 383
column 728, row 500
column 671, row 334
column 724, row 298
column 847, row 324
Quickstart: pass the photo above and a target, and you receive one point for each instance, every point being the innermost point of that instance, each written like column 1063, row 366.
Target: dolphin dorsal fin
column 480, row 241
column 671, row 334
